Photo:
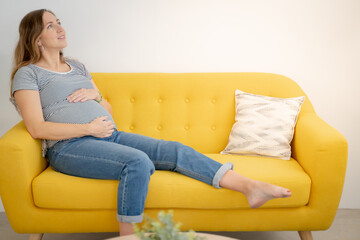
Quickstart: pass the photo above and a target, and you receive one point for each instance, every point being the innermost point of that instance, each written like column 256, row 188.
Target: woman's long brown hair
column 27, row 51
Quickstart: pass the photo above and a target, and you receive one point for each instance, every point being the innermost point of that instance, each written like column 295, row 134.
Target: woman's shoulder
column 26, row 70
column 74, row 62
column 79, row 66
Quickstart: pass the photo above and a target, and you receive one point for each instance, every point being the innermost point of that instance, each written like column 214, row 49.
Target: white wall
column 316, row 43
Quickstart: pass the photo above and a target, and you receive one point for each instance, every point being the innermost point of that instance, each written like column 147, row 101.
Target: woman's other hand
column 83, row 95
column 101, row 128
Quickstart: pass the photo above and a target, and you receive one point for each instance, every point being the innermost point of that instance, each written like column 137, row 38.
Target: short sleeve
column 87, row 74
column 80, row 67
column 24, row 78
column 85, row 71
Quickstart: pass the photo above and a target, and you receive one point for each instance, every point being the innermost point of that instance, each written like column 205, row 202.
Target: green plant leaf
column 163, row 229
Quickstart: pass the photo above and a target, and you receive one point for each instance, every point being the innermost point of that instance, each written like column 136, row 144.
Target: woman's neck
column 50, row 60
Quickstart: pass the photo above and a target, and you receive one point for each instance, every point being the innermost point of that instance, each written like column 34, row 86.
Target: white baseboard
column 1, row 206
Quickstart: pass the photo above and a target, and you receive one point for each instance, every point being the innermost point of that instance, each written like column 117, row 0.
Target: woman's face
column 53, row 35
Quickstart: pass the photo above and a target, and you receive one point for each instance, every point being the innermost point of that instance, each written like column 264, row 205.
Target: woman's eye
column 49, row 26
column 59, row 23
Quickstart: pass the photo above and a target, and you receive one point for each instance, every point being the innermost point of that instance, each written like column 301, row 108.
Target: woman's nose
column 60, row 28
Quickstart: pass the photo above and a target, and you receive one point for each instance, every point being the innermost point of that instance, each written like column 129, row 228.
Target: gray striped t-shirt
column 54, row 88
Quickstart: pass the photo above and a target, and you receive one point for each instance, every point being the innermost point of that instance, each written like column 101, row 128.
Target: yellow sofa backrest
column 197, row 109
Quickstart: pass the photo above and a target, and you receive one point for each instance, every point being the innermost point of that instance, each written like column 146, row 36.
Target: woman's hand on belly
column 101, row 128
column 83, row 95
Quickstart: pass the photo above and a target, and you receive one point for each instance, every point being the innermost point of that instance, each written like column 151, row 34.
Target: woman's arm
column 104, row 103
column 29, row 105
column 89, row 94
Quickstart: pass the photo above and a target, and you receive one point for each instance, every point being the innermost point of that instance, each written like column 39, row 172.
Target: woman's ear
column 39, row 43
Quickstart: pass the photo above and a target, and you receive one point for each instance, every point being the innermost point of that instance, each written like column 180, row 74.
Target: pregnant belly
column 78, row 113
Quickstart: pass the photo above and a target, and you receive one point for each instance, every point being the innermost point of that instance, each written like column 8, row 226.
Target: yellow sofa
column 197, row 109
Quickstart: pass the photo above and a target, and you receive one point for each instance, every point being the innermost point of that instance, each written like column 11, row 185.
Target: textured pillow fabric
column 264, row 126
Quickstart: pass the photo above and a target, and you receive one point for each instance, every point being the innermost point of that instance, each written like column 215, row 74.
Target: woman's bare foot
column 258, row 193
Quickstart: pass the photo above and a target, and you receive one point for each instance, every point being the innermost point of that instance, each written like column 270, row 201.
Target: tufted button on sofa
column 196, row 109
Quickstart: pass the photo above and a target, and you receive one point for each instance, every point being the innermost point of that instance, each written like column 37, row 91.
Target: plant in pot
column 164, row 229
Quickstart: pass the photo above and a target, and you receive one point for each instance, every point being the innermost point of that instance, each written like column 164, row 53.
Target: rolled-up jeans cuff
column 220, row 173
column 130, row 219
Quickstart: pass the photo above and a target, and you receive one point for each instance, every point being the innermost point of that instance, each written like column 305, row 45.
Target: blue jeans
column 132, row 158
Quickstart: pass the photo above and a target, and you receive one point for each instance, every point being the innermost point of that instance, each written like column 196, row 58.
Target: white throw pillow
column 264, row 125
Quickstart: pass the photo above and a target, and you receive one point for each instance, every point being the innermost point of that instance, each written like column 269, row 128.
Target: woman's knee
column 141, row 163
column 180, row 147
column 174, row 144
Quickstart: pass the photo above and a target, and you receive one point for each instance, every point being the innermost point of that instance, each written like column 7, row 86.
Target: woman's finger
column 74, row 93
column 80, row 95
column 78, row 98
column 103, row 118
column 72, row 97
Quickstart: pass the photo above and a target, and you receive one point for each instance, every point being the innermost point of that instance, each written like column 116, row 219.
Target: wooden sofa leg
column 305, row 235
column 36, row 236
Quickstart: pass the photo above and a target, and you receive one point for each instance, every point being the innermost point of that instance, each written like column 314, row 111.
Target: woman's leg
column 90, row 157
column 175, row 156
column 125, row 228
column 256, row 192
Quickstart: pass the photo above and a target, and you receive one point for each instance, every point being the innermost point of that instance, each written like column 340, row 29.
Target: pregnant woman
column 60, row 104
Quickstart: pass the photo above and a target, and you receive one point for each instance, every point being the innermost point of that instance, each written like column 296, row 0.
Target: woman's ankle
column 125, row 229
column 234, row 181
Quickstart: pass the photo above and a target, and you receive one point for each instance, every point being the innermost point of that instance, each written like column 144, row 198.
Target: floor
column 346, row 226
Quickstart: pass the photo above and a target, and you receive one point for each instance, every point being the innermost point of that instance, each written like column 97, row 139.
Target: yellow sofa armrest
column 322, row 152
column 21, row 161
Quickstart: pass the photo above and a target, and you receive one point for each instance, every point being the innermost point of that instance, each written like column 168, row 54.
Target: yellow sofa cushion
column 168, row 189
